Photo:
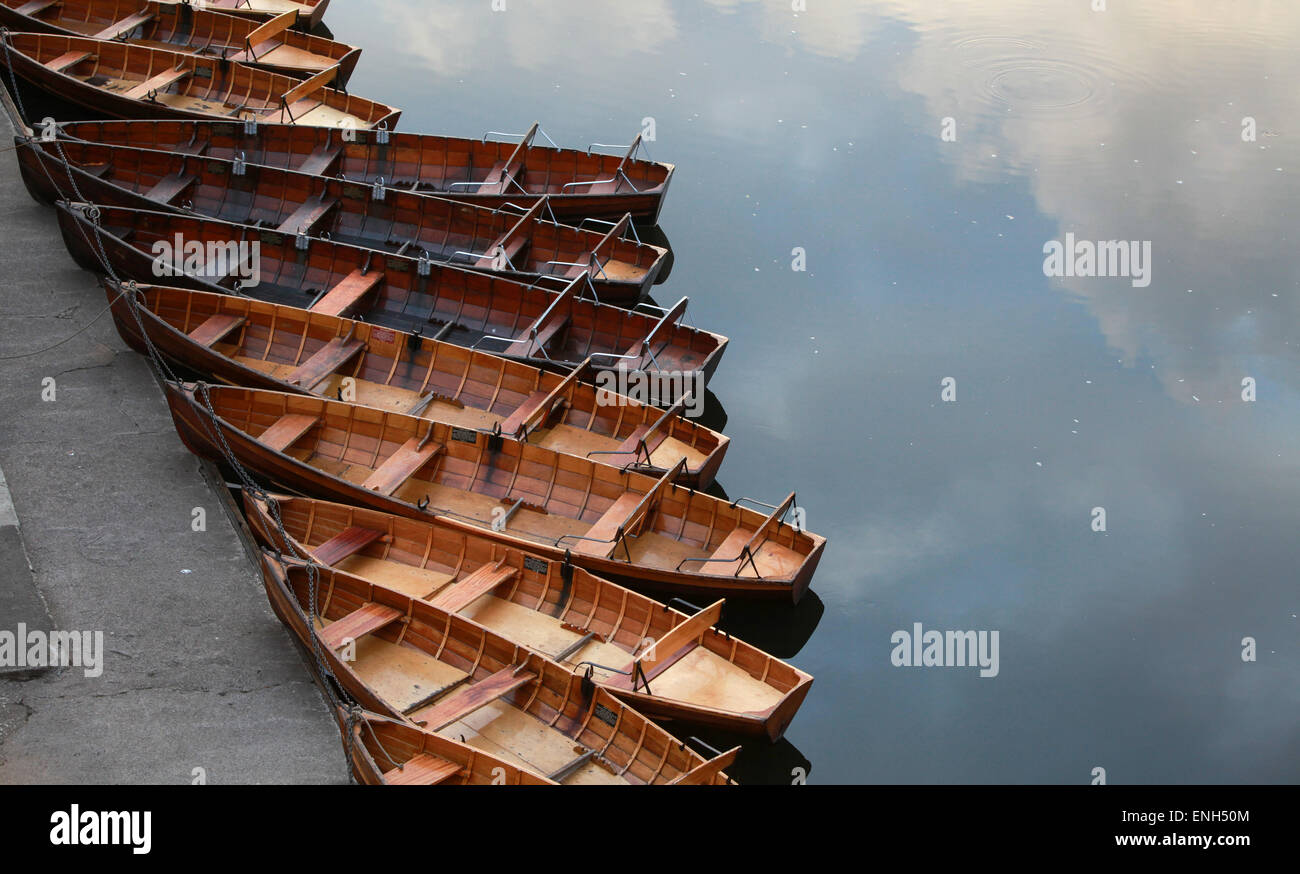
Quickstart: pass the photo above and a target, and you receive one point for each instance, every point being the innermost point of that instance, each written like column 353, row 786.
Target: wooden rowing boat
column 526, row 248
column 310, row 12
column 272, row 45
column 617, row 524
column 389, row 752
column 411, row 661
column 245, row 342
column 558, row 331
column 694, row 672
column 483, row 172
column 136, row 81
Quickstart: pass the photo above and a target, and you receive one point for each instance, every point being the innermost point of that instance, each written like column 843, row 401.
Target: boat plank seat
column 198, row 147
column 511, row 245
column 512, row 422
column 36, row 7
column 125, row 26
column 319, row 161
column 64, row 62
column 347, row 542
column 163, row 80
column 326, row 360
column 360, row 622
column 401, row 465
column 456, row 707
column 305, row 217
column 629, row 446
column 348, row 293
column 287, row 430
column 704, row 774
column 670, row 648
column 730, row 548
column 470, row 589
column 734, row 544
column 422, row 770
column 601, row 535
column 215, row 328
column 298, row 109
column 641, row 348
column 500, row 177
column 170, row 187
column 525, row 345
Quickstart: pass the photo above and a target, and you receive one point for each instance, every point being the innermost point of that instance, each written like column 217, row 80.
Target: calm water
column 1119, row 649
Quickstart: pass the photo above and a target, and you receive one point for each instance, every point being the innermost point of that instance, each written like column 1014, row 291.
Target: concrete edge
column 21, row 604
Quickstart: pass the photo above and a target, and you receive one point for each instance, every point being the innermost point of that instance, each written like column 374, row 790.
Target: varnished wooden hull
column 121, row 176
column 310, row 12
column 187, row 28
column 505, row 385
column 121, row 69
column 627, row 745
column 787, row 556
column 459, row 306
column 716, row 680
column 376, row 738
column 411, row 162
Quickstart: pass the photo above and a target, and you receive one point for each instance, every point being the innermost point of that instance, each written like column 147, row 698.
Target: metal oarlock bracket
column 509, row 136
column 631, row 226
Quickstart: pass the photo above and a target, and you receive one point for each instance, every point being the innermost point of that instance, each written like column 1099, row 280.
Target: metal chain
column 134, row 295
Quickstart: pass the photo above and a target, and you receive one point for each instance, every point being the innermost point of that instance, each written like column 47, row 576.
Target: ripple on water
column 1016, row 75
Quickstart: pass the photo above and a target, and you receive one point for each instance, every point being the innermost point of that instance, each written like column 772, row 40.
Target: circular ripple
column 972, row 47
column 1019, row 76
column 1036, row 86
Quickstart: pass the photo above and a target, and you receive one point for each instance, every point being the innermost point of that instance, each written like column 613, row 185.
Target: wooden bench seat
column 287, row 430
column 455, row 707
column 298, row 109
column 160, row 82
column 500, row 177
column 401, row 465
column 326, row 360
column 360, row 622
column 512, row 247
column 36, row 7
column 512, row 422
column 197, row 147
column 627, row 451
column 347, row 542
column 422, row 770
column 319, row 162
column 601, row 534
column 669, row 649
column 525, row 346
column 214, row 328
column 170, row 187
column 729, row 549
column 63, row 63
column 306, row 216
column 474, row 586
column 125, row 26
column 348, row 293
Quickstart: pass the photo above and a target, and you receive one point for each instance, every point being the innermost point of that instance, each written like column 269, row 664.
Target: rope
column 79, row 331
